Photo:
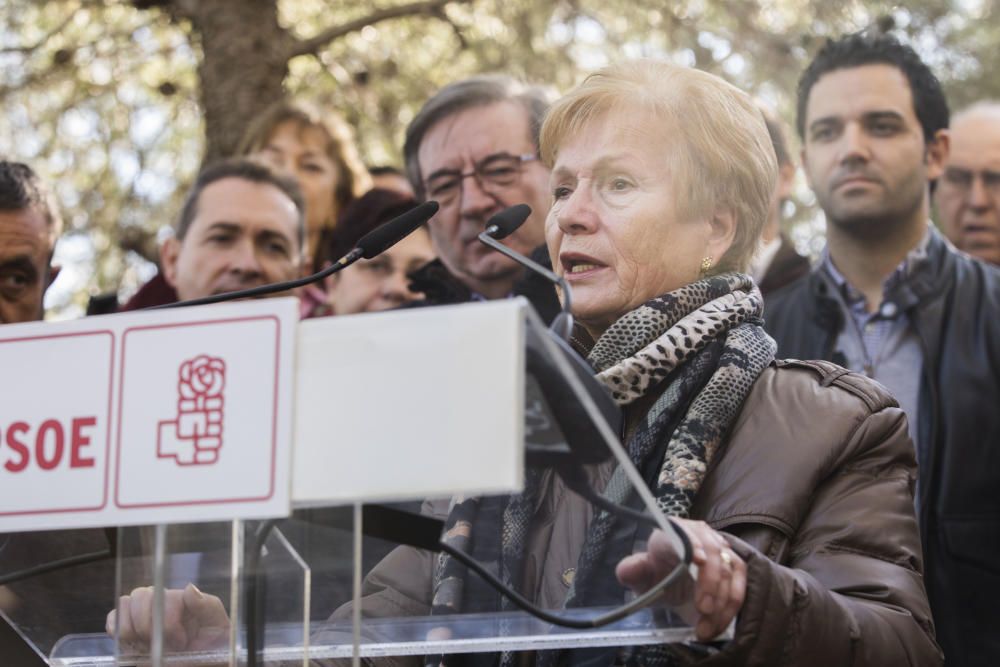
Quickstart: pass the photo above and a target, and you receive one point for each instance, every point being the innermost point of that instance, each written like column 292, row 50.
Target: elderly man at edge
column 793, row 480
column 968, row 193
column 893, row 299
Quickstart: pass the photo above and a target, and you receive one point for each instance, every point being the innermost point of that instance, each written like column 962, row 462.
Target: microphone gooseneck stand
column 502, row 225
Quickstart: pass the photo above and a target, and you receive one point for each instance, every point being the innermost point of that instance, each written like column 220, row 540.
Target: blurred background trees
column 118, row 103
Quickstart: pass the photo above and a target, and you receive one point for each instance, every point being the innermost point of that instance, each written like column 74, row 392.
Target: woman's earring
column 706, row 264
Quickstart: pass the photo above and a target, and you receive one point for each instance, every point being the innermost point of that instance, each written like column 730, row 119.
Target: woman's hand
column 721, row 585
column 192, row 620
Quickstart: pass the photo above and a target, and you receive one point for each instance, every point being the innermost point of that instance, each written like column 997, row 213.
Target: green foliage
column 103, row 97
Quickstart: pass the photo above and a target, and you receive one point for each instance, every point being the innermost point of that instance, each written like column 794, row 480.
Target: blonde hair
column 722, row 154
column 353, row 179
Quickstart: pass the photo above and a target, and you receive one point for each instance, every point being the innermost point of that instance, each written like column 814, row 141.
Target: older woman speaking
column 793, row 479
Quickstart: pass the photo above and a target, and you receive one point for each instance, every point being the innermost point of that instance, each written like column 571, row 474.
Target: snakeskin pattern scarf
column 706, row 339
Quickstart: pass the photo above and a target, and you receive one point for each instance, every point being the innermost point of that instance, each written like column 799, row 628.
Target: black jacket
column 441, row 288
column 953, row 302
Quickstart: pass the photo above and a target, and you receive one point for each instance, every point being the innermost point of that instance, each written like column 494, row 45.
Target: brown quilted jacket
column 814, row 489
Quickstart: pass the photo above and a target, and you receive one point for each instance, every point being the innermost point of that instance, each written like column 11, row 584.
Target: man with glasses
column 473, row 148
column 968, row 194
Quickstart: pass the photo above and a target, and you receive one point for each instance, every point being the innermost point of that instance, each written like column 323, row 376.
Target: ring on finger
column 727, row 559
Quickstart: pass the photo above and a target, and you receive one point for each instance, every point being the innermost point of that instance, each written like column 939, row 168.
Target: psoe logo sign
column 198, row 413
column 194, row 435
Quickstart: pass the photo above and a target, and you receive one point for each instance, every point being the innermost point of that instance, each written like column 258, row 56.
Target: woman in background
column 319, row 150
column 380, row 283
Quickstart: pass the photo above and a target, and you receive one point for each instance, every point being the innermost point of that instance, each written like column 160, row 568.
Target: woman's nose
column 576, row 214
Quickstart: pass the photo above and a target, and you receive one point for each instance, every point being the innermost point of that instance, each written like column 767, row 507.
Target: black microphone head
column 390, row 233
column 506, row 222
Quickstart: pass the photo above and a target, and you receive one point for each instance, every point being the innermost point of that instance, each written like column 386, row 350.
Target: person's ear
column 937, row 154
column 721, row 232
column 169, row 253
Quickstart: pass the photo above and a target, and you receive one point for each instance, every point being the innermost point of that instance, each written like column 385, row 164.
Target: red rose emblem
column 203, row 377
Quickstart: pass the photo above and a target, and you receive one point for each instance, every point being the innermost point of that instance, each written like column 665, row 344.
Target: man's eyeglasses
column 491, row 173
column 962, row 179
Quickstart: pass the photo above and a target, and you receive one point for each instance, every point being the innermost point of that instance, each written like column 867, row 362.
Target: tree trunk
column 243, row 66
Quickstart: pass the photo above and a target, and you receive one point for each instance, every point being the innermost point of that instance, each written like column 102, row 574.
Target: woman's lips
column 578, row 267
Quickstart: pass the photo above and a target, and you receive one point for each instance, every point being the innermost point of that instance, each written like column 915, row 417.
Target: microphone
column 389, row 234
column 505, row 223
column 368, row 246
column 577, row 440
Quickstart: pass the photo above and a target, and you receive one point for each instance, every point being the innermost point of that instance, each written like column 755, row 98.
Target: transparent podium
column 424, row 564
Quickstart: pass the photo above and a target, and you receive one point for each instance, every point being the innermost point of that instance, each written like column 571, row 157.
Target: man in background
column 968, row 193
column 29, row 226
column 241, row 226
column 238, row 228
column 892, row 299
column 473, row 148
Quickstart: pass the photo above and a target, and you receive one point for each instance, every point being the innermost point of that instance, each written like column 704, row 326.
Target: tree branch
column 302, row 47
column 463, row 43
column 31, row 48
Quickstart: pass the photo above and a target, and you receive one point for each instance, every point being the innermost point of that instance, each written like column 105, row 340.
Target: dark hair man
column 255, row 175
column 473, row 148
column 776, row 263
column 968, row 195
column 242, row 225
column 29, row 226
column 892, row 299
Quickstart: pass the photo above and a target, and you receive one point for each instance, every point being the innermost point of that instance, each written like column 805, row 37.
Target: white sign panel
column 410, row 404
column 165, row 416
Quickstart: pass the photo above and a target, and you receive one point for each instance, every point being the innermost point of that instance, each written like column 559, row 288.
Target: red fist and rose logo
column 195, row 436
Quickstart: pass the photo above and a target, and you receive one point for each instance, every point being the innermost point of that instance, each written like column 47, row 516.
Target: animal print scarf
column 705, row 342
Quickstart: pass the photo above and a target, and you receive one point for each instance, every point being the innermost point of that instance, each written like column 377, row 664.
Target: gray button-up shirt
column 882, row 344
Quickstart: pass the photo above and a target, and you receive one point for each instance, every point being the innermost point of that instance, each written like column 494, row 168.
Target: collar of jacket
column 923, row 297
column 931, row 278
